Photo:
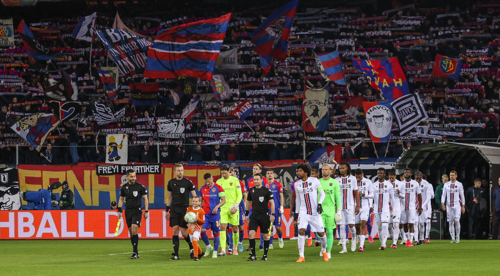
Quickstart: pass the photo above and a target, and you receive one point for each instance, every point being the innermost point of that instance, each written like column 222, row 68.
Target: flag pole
column 387, row 149
column 90, row 58
column 249, row 126
column 376, row 153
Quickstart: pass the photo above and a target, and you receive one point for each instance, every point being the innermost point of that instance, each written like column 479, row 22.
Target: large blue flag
column 271, row 38
column 189, row 50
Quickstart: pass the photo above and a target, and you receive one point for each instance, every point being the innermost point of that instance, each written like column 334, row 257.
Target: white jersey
column 365, row 186
column 306, row 196
column 427, row 194
column 410, row 192
column 453, row 194
column 397, row 186
column 383, row 197
column 347, row 187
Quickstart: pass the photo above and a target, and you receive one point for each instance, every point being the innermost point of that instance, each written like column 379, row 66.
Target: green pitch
column 105, row 257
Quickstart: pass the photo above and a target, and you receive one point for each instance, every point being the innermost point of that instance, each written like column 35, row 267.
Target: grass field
column 108, row 257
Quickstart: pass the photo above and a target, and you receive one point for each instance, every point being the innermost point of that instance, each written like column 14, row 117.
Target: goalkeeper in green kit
column 331, row 205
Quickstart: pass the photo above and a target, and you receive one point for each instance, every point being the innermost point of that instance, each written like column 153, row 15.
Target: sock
column 452, row 229
column 353, row 234
column 369, row 226
column 338, row 233
column 323, row 243
column 395, row 232
column 135, row 242
column 329, row 240
column 271, row 239
column 407, row 236
column 457, row 228
column 403, row 234
column 266, row 247
column 242, row 234
column 301, row 243
column 411, row 236
column 280, row 236
column 385, row 232
column 195, row 248
column 421, row 229
column 204, row 237
column 252, row 245
column 188, row 240
column 308, row 231
column 427, row 228
column 229, row 239
column 295, row 230
column 223, row 240
column 216, row 242
column 175, row 241
column 361, row 240
column 261, row 244
column 316, row 236
column 236, row 237
column 343, row 238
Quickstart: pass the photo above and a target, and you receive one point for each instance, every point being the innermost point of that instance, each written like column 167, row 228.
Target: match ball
column 190, row 217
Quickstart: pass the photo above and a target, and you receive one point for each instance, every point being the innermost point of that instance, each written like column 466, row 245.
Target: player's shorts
column 263, row 221
column 133, row 216
column 277, row 219
column 396, row 219
column 177, row 217
column 212, row 222
column 113, row 154
column 408, row 216
column 382, row 217
column 227, row 217
column 453, row 212
column 196, row 234
column 328, row 221
column 363, row 215
column 347, row 217
column 316, row 222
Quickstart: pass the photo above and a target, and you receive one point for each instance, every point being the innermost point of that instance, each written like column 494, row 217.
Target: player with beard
column 453, row 201
column 396, row 217
column 383, row 200
column 350, row 205
column 411, row 193
column 365, row 190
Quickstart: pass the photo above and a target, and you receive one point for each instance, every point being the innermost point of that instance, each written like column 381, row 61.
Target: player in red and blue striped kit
column 277, row 189
column 213, row 198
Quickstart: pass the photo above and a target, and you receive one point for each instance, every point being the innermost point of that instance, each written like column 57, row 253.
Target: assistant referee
column 259, row 197
column 133, row 191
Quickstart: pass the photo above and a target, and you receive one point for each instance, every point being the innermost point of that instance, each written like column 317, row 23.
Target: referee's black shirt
column 133, row 195
column 260, row 199
column 180, row 190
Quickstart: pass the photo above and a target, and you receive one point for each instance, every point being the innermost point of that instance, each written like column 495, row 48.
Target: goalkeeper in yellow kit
column 229, row 212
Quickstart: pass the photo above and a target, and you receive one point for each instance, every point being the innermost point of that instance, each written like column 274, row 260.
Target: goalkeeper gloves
column 338, row 217
column 319, row 209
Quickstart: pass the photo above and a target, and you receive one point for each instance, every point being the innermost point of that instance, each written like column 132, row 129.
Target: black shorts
column 263, row 221
column 177, row 217
column 133, row 216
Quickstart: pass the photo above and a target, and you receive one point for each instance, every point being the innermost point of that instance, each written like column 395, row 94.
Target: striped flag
column 220, row 88
column 108, row 82
column 330, row 67
column 189, row 50
column 271, row 38
column 190, row 109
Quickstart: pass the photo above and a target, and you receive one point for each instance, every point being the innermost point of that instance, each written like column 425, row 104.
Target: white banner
column 117, row 148
column 409, row 112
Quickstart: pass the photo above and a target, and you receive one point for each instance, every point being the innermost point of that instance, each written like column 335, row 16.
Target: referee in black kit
column 133, row 191
column 259, row 197
column 177, row 204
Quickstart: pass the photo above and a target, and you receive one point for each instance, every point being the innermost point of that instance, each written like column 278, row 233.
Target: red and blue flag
column 109, row 83
column 379, row 119
column 331, row 67
column 243, row 110
column 189, row 50
column 271, row 38
column 447, row 67
column 384, row 75
column 33, row 47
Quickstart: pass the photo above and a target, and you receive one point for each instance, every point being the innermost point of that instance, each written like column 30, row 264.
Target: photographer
column 67, row 199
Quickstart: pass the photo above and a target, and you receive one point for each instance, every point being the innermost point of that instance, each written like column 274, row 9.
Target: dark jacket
column 67, row 200
column 496, row 199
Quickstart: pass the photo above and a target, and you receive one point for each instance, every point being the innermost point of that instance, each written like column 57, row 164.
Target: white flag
column 85, row 29
column 409, row 112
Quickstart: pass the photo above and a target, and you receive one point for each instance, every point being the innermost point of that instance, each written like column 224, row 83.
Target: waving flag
column 220, row 88
column 190, row 109
column 108, row 82
column 85, row 29
column 145, row 94
column 271, row 38
column 379, row 119
column 330, row 67
column 447, row 67
column 409, row 112
column 119, row 25
column 33, row 47
column 189, row 50
column 243, row 110
column 325, row 155
column 384, row 75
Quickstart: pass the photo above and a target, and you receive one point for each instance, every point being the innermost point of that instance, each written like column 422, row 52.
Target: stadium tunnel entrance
column 469, row 160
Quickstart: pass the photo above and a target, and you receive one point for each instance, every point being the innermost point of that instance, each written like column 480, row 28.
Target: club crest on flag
column 447, row 66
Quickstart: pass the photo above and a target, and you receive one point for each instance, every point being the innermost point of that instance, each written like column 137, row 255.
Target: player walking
column 194, row 229
column 242, row 210
column 453, row 196
column 383, row 200
column 427, row 194
column 365, row 191
column 331, row 206
column 230, row 210
column 177, row 203
column 277, row 189
column 411, row 194
column 259, row 197
column 309, row 208
column 396, row 207
column 132, row 192
column 213, row 198
column 349, row 194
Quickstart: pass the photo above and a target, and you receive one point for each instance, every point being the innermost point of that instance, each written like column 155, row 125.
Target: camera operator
column 67, row 199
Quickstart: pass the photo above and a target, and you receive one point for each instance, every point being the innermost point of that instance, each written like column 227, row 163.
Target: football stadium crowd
column 460, row 107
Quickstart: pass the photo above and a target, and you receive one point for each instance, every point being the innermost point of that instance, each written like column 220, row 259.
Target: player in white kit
column 425, row 218
column 365, row 191
column 309, row 208
column 350, row 205
column 383, row 199
column 411, row 193
column 396, row 207
column 453, row 195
